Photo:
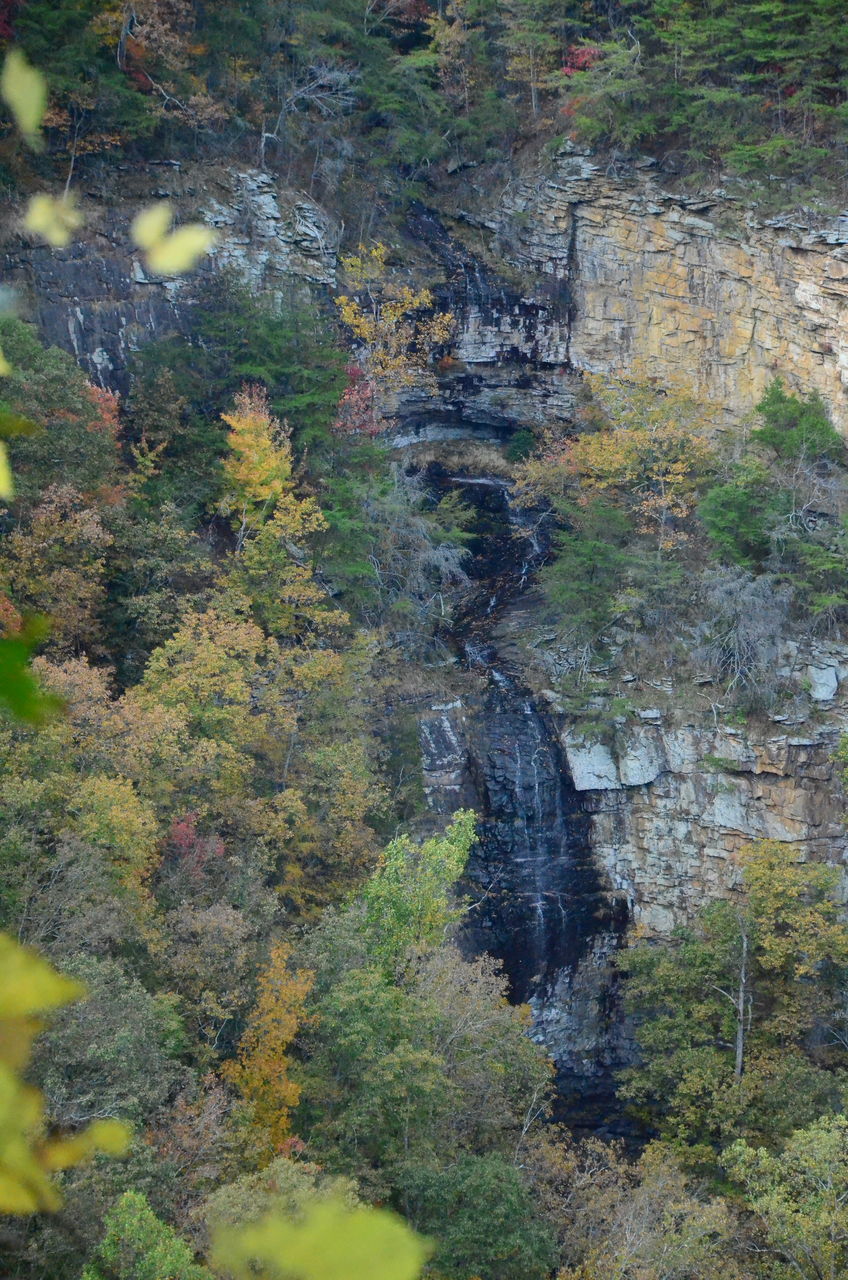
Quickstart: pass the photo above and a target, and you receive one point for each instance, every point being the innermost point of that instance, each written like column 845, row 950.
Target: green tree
column 796, row 428
column 482, row 1215
column 800, row 1197
column 408, row 901
column 139, row 1246
column 732, row 1014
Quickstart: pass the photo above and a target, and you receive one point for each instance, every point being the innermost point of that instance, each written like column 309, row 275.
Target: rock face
column 691, row 291
column 671, row 805
column 95, row 297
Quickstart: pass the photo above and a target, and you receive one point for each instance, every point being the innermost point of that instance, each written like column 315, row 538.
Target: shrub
column 796, row 427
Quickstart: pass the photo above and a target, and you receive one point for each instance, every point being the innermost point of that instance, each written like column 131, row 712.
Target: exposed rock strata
column 671, row 805
column 692, row 291
column 96, row 298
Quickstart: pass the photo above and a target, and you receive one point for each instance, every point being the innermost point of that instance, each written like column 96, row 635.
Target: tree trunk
column 741, row 1005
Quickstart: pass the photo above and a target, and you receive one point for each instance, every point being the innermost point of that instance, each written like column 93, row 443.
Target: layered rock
column 96, row 298
column 672, row 804
column 693, row 292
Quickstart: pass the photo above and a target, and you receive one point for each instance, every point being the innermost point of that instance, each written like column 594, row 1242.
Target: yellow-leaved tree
column 262, row 1071
column 397, row 332
column 646, row 450
column 258, row 465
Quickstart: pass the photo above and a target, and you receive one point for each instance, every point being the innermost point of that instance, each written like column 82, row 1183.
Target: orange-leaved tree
column 262, row 1070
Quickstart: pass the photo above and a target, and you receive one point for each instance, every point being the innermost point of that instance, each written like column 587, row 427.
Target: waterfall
column 537, row 900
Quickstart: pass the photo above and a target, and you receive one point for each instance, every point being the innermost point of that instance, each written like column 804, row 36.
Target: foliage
column 27, row 1156
column 481, row 1212
column 646, row 447
column 408, row 898
column 796, row 427
column 732, row 1014
column 139, row 1246
column 258, row 466
column 394, row 326
column 112, row 1055
column 799, row 1195
column 630, row 1219
column 262, row 1072
column 756, row 90
column 739, row 515
column 590, row 566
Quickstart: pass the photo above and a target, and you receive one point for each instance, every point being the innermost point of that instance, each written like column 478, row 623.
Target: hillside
column 424, row 654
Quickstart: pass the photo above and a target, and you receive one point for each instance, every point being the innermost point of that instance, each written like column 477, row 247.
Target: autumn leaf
column 168, row 252
column 30, row 986
column 24, row 90
column 331, row 1242
column 54, row 219
column 7, row 487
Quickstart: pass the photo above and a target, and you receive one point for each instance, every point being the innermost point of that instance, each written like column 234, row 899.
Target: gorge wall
column 572, row 269
column 693, row 290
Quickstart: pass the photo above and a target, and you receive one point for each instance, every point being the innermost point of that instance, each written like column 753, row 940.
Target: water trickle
column 538, row 902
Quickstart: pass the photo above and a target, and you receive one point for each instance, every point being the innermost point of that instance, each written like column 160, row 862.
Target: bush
column 796, row 427
column 739, row 514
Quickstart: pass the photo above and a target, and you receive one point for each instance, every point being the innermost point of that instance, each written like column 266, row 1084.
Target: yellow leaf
column 180, row 251
column 54, row 219
column 109, row 1136
column 152, row 224
column 331, row 1242
column 24, row 91
column 30, row 984
column 6, row 369
column 7, row 485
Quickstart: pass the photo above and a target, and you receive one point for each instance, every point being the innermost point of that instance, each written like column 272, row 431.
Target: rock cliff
column 695, row 291
column 96, row 299
column 581, row 270
column 671, row 804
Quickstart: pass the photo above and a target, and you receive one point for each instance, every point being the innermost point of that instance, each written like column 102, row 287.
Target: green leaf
column 19, row 689
column 14, row 424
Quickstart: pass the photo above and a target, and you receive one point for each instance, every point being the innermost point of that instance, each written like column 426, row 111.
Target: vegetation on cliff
column 757, row 90
column 258, row 1022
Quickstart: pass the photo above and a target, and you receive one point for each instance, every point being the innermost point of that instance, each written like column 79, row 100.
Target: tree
column 408, row 899
column 800, row 1197
column 624, row 1219
column 645, row 453
column 796, row 428
column 258, row 467
column 394, row 331
column 114, row 1054
column 530, row 45
column 139, row 1246
column 55, row 565
column 482, row 1215
column 732, row 1015
column 262, row 1071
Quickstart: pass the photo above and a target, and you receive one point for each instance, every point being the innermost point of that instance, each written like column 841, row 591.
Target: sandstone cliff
column 695, row 291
